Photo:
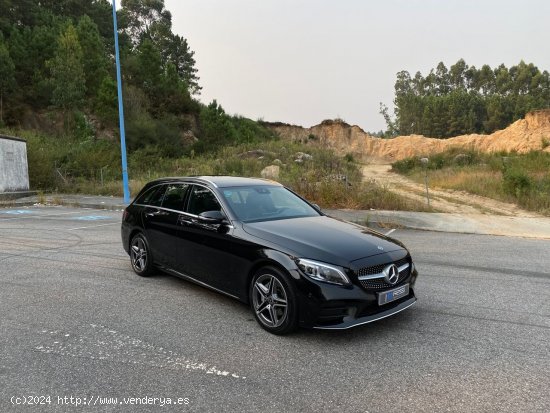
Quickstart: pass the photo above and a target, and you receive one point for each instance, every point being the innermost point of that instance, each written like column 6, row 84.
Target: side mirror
column 212, row 217
column 317, row 207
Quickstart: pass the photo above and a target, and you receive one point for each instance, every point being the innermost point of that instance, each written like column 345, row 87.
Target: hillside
column 524, row 135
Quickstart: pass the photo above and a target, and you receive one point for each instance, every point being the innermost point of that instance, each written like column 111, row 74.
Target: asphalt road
column 76, row 321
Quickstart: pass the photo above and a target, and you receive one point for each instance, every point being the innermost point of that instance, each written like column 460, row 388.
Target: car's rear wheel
column 140, row 257
column 273, row 301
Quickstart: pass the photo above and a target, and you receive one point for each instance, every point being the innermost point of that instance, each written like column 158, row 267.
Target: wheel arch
column 133, row 233
column 276, row 259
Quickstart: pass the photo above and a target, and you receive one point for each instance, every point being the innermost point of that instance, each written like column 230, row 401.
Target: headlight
column 323, row 272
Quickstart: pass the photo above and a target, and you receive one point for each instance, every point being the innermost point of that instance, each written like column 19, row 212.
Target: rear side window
column 174, row 196
column 202, row 200
column 153, row 196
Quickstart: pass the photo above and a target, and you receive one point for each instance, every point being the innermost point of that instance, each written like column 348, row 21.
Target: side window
column 201, row 200
column 174, row 196
column 153, row 196
column 156, row 199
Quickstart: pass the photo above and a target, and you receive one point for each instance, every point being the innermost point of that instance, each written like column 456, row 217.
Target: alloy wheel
column 139, row 254
column 270, row 301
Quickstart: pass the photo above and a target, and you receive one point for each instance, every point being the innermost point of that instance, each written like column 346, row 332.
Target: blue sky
column 302, row 61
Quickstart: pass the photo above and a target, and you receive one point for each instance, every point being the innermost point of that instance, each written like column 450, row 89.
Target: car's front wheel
column 140, row 257
column 273, row 301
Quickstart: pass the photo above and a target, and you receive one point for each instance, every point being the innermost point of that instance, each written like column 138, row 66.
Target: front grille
column 380, row 283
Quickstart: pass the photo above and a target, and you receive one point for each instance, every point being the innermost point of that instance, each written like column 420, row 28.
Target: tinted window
column 261, row 203
column 174, row 196
column 201, row 200
column 153, row 196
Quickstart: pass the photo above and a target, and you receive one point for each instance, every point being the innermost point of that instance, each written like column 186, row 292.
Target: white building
column 14, row 170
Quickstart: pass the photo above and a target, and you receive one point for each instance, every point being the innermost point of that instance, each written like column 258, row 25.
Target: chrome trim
column 194, row 280
column 364, row 322
column 403, row 267
column 381, row 274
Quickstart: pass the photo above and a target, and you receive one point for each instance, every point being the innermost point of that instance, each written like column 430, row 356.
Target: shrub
column 516, row 182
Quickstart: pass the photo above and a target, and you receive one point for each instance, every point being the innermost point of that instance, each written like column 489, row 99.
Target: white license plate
column 392, row 295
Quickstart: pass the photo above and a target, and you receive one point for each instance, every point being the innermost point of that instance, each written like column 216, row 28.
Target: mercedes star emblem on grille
column 391, row 274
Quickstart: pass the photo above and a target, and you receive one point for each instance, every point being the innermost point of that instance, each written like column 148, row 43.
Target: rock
column 271, row 172
column 255, row 153
column 251, row 154
column 188, row 137
column 461, row 159
column 301, row 156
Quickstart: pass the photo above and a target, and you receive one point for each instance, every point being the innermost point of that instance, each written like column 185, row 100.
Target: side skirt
column 194, row 280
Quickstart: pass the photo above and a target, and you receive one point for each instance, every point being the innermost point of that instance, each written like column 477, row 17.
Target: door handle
column 182, row 221
column 156, row 213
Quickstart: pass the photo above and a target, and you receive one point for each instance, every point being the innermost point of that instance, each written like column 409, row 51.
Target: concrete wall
column 14, row 170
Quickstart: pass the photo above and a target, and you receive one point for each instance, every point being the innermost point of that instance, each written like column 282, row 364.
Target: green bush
column 218, row 130
column 163, row 134
column 516, row 182
column 406, row 166
column 348, row 157
column 452, row 158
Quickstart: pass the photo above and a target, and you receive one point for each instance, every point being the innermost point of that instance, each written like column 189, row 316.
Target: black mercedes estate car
column 259, row 242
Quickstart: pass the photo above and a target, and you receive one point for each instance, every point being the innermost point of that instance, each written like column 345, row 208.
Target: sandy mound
column 524, row 135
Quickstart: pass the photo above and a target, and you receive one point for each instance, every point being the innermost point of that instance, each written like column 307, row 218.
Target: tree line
column 58, row 55
column 463, row 99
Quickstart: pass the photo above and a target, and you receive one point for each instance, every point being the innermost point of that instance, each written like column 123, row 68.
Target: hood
column 323, row 238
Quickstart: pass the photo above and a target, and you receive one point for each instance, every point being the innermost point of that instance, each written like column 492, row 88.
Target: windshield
column 263, row 203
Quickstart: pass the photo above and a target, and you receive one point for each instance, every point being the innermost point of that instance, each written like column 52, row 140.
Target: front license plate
column 392, row 295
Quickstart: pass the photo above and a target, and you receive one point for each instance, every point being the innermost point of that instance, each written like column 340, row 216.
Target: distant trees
column 7, row 75
column 59, row 54
column 463, row 99
column 148, row 21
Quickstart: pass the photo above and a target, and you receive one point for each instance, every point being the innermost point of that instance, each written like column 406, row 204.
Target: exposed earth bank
column 524, row 135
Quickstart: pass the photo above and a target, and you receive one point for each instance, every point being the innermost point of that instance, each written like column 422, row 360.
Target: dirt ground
column 442, row 200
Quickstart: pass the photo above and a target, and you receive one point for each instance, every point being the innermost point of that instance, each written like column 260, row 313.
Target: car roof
column 218, row 181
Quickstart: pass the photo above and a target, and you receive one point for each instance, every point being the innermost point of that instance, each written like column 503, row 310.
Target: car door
column 205, row 249
column 160, row 221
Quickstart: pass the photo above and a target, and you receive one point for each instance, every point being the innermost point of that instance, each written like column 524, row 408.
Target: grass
column 64, row 165
column 523, row 179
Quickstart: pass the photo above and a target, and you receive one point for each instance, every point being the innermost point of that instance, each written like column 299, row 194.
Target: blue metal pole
column 121, row 114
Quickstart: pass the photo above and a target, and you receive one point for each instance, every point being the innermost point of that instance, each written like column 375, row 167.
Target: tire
column 140, row 256
column 273, row 301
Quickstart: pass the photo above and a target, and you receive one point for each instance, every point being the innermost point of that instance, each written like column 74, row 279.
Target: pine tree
column 67, row 73
column 94, row 58
column 7, row 78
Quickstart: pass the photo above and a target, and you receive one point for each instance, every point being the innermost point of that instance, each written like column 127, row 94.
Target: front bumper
column 333, row 307
column 349, row 322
